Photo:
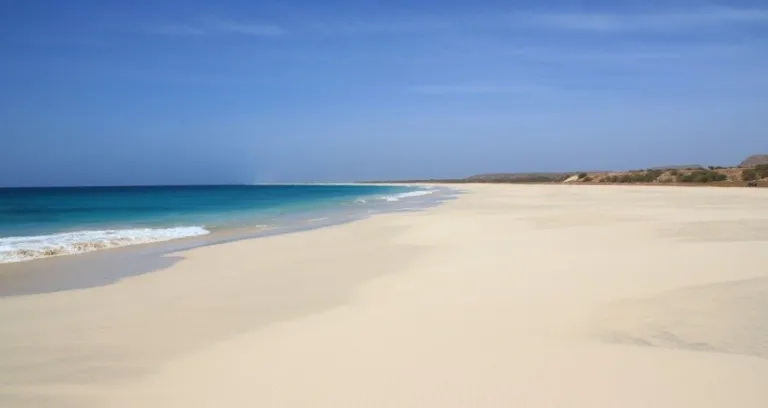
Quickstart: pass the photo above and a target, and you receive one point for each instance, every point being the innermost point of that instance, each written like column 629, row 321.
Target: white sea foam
column 18, row 249
column 410, row 194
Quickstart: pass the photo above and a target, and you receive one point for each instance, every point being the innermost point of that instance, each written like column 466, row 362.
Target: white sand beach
column 529, row 296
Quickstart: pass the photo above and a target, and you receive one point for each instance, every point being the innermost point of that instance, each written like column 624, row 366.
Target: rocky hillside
column 717, row 175
column 753, row 170
column 755, row 160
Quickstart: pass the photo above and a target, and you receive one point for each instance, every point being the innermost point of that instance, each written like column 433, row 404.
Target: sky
column 100, row 92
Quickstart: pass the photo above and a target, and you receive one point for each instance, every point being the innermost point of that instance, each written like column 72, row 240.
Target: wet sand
column 508, row 296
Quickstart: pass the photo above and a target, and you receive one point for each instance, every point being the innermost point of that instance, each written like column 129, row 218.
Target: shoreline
column 720, row 184
column 115, row 238
column 493, row 299
column 55, row 273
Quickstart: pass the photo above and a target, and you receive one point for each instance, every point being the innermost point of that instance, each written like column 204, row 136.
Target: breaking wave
column 18, row 249
column 410, row 194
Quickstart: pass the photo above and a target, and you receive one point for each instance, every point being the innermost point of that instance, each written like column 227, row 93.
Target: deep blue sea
column 40, row 222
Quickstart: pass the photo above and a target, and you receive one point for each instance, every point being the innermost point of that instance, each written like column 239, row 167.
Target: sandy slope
column 541, row 296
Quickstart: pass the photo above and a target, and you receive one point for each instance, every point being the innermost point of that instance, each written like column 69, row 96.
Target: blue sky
column 157, row 92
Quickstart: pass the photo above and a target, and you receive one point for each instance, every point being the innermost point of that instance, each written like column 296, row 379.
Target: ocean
column 43, row 222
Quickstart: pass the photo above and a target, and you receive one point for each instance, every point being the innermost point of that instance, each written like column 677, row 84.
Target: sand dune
column 540, row 296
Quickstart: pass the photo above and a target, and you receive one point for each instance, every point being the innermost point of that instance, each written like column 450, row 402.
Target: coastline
column 76, row 271
column 752, row 172
column 719, row 184
column 508, row 295
column 83, row 238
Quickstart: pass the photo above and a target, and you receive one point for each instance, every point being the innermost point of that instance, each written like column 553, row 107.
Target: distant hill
column 673, row 174
column 517, row 178
column 755, row 160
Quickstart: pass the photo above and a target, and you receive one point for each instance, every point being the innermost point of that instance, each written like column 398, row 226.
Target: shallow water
column 101, row 268
column 43, row 222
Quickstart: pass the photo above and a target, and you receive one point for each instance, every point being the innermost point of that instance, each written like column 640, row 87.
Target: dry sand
column 531, row 296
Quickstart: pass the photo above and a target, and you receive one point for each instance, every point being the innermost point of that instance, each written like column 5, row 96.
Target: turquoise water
column 39, row 222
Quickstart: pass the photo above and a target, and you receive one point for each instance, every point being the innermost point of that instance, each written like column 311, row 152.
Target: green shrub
column 582, row 175
column 640, row 177
column 652, row 175
column 632, row 177
column 703, row 176
column 748, row 174
column 761, row 170
column 674, row 172
column 586, row 179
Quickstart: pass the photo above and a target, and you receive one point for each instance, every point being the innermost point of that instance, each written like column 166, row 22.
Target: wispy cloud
column 597, row 22
column 626, row 53
column 594, row 22
column 644, row 22
column 394, row 25
column 476, row 88
column 245, row 28
column 174, row 29
column 217, row 26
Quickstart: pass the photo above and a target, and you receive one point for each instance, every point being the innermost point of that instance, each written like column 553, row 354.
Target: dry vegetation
column 751, row 172
column 712, row 175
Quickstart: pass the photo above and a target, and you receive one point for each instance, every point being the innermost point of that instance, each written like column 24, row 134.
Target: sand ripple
column 729, row 317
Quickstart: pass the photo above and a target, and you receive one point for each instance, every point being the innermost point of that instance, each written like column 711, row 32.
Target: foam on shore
column 409, row 194
column 27, row 248
column 18, row 249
